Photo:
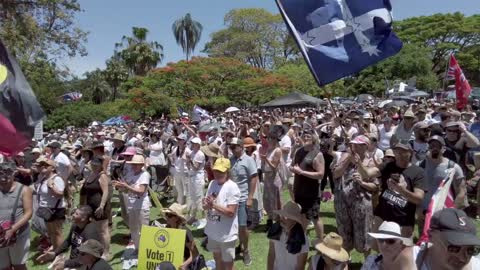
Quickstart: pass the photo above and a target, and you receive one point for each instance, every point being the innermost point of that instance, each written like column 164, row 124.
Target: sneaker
column 247, row 260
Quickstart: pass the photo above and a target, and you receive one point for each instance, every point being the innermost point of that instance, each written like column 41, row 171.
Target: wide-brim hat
column 177, row 210
column 211, row 150
column 137, row 159
column 391, row 230
column 118, row 137
column 291, row 211
column 332, row 248
column 92, row 247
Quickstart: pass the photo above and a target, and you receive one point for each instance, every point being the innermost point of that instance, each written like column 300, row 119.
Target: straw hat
column 211, row 150
column 118, row 137
column 137, row 159
column 177, row 210
column 332, row 248
column 292, row 211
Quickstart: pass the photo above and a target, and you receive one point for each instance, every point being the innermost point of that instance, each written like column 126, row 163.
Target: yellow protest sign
column 160, row 244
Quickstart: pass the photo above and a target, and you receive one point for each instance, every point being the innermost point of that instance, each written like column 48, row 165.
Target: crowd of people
column 229, row 172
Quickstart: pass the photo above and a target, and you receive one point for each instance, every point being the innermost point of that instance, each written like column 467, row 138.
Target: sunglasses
column 471, row 250
column 387, row 241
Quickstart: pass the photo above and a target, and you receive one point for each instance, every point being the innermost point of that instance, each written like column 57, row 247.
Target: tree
column 139, row 55
column 187, row 33
column 41, row 28
column 442, row 34
column 254, row 36
column 115, row 74
column 96, row 88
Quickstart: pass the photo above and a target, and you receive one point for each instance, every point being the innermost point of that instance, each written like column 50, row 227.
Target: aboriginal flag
column 19, row 108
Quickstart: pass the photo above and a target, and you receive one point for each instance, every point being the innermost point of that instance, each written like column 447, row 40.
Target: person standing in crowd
column 156, row 162
column 348, row 128
column 402, row 188
column 179, row 168
column 96, row 192
column 52, row 204
column 396, row 252
column 458, row 141
column 419, row 145
column 192, row 259
column 385, row 132
column 330, row 254
column 15, row 213
column 244, row 173
column 271, row 179
column 437, row 168
column 454, row 243
column 195, row 162
column 135, row 189
column 221, row 203
column 82, row 230
column 370, row 128
column 353, row 196
column 308, row 168
column 63, row 165
column 404, row 131
column 91, row 255
column 288, row 240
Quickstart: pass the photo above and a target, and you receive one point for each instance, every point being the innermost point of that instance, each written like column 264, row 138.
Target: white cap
column 196, row 140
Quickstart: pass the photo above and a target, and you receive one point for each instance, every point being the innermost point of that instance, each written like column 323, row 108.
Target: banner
column 38, row 132
column 462, row 87
column 160, row 244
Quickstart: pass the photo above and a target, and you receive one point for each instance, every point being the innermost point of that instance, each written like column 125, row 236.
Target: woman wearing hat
column 212, row 152
column 195, row 161
column 255, row 212
column 331, row 254
column 179, row 168
column 135, row 191
column 192, row 259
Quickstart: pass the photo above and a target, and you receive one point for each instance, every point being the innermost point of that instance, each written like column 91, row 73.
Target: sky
column 108, row 20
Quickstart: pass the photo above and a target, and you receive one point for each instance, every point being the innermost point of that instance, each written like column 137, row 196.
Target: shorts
column 242, row 214
column 227, row 249
column 16, row 254
column 58, row 214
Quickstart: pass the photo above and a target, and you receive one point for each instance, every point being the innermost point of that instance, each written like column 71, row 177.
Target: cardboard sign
column 160, row 244
column 38, row 132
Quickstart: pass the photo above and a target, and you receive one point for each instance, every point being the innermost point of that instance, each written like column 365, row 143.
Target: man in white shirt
column 63, row 166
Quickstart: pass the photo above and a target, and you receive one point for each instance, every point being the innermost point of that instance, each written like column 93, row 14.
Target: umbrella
column 418, row 93
column 232, row 109
column 118, row 120
column 384, row 102
column 396, row 103
column 207, row 127
column 407, row 99
column 364, row 98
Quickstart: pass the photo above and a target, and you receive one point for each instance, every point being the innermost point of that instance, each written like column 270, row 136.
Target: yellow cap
column 221, row 165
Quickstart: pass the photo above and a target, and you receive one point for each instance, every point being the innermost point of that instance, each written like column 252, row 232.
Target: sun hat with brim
column 130, row 151
column 97, row 144
column 118, row 137
column 404, row 146
column 211, row 150
column 360, row 139
column 438, row 139
column 452, row 124
column 291, row 211
column 55, row 145
column 457, row 228
column 409, row 114
column 137, row 159
column 182, row 137
column 222, row 165
column 389, row 153
column 391, row 230
column 36, row 151
column 46, row 161
column 420, row 125
column 177, row 210
column 236, row 141
column 92, row 247
column 332, row 248
column 196, row 140
column 248, row 142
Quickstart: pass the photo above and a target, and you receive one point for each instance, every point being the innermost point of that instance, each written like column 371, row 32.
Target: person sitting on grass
column 91, row 256
column 192, row 259
column 82, row 230
column 331, row 255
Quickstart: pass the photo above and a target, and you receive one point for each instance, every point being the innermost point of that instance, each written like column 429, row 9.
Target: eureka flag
column 340, row 37
column 462, row 87
column 19, row 109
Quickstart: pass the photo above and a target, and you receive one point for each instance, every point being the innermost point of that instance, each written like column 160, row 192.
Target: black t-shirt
column 392, row 206
column 101, row 264
column 305, row 189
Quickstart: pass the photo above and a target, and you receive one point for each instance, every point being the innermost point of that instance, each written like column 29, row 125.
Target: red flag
column 462, row 87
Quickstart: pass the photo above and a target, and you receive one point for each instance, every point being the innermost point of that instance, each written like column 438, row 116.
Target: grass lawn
column 258, row 242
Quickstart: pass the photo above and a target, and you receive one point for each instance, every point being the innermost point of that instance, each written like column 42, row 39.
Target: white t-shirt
column 286, row 142
column 47, row 198
column 62, row 164
column 384, row 137
column 352, row 131
column 135, row 201
column 283, row 259
column 197, row 157
column 156, row 154
column 219, row 227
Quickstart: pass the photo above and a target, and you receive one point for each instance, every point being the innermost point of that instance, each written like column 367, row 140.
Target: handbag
column 45, row 212
column 7, row 224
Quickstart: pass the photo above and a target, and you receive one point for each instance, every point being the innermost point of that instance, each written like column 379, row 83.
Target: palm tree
column 139, row 55
column 187, row 32
column 96, row 86
column 115, row 74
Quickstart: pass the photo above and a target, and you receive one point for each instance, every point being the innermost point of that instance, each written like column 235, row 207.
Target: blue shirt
column 243, row 169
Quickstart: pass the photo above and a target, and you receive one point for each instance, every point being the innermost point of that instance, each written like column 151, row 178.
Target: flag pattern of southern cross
column 339, row 38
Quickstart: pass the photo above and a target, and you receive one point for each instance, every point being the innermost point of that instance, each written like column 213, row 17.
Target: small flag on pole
column 339, row 38
column 462, row 87
column 19, row 109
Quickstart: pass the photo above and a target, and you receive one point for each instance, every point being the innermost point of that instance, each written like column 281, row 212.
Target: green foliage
column 81, row 114
column 187, row 33
column 254, row 36
column 115, row 74
column 149, row 103
column 96, row 87
column 139, row 55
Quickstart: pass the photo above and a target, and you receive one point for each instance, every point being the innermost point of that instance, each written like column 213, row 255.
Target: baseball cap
column 196, row 140
column 404, row 146
column 457, row 228
column 438, row 139
column 182, row 137
column 236, row 141
column 389, row 153
column 452, row 124
column 221, row 165
column 420, row 125
column 55, row 145
column 409, row 113
column 92, row 247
